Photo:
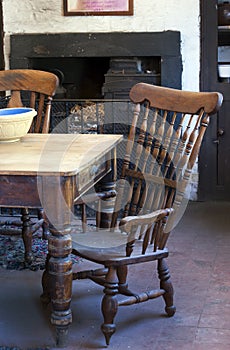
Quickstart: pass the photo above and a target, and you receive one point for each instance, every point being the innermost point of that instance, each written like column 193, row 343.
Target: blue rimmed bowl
column 15, row 123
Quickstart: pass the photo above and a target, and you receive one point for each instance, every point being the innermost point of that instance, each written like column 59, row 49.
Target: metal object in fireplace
column 126, row 72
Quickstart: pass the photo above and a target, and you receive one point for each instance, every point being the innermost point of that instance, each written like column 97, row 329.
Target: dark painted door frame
column 214, row 161
column 2, row 63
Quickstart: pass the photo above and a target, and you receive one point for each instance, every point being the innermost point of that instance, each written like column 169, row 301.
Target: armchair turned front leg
column 109, row 304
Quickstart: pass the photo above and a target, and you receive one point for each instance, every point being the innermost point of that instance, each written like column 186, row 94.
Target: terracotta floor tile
column 174, row 345
column 178, row 333
column 219, row 321
column 209, row 346
column 213, row 336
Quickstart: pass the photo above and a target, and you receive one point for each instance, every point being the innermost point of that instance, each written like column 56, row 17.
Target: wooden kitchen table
column 51, row 171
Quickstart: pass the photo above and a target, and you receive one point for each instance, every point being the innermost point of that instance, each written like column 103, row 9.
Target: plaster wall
column 32, row 16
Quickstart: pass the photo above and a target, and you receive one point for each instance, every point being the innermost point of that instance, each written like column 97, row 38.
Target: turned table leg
column 57, row 285
column 57, row 278
column 60, row 283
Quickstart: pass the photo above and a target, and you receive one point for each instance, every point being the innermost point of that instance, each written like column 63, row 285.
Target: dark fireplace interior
column 96, row 77
column 80, row 78
column 101, row 65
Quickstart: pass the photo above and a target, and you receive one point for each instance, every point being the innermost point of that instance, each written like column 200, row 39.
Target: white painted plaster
column 46, row 16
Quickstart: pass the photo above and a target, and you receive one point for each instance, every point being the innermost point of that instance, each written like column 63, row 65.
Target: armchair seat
column 113, row 252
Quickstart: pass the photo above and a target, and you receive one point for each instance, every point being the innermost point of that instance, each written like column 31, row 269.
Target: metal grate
column 90, row 116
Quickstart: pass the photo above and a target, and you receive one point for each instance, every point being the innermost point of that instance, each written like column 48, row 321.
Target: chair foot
column 170, row 310
column 109, row 304
column 108, row 330
column 166, row 284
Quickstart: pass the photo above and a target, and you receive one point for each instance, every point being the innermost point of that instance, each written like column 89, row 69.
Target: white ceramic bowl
column 15, row 123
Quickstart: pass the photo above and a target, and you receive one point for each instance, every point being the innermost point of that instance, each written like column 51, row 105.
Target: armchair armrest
column 129, row 221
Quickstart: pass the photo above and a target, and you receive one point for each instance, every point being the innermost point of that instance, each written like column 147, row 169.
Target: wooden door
column 214, row 163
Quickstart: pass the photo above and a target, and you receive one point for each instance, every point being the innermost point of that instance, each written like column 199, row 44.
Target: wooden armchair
column 30, row 88
column 162, row 147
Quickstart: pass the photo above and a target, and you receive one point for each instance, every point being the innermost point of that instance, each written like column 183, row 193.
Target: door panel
column 214, row 162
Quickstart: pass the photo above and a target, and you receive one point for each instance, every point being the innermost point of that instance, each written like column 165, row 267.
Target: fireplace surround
column 95, row 66
column 84, row 56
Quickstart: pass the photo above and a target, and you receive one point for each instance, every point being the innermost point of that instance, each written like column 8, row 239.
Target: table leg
column 60, row 283
column 57, row 278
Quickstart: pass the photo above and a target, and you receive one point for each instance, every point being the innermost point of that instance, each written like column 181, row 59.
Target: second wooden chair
column 28, row 88
column 162, row 147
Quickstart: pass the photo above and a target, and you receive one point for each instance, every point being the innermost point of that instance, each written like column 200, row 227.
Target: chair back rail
column 162, row 148
column 167, row 98
column 31, row 88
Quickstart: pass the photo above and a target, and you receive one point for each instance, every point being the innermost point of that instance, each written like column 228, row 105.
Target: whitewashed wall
column 46, row 16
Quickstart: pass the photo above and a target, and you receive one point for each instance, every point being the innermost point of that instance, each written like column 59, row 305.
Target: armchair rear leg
column 166, row 284
column 123, row 289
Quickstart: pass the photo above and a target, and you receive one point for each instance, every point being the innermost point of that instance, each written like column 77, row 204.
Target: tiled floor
column 200, row 268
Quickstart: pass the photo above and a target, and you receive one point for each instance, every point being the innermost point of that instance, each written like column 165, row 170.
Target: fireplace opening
column 80, row 77
column 99, row 77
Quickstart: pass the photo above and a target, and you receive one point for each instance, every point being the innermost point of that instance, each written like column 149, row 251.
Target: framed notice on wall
column 98, row 7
